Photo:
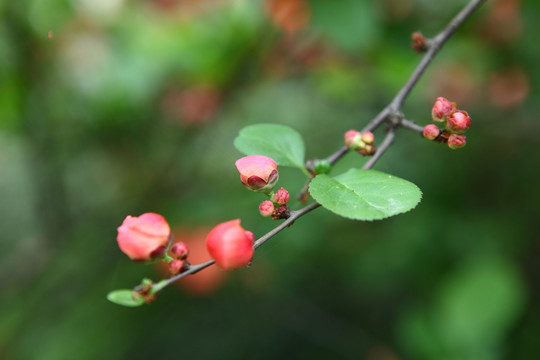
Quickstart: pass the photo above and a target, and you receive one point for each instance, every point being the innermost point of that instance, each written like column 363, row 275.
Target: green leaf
column 124, row 297
column 365, row 194
column 281, row 143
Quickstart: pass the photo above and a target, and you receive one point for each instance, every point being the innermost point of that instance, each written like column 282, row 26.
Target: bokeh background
column 117, row 107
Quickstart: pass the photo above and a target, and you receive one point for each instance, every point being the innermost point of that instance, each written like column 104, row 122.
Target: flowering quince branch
column 148, row 237
column 391, row 113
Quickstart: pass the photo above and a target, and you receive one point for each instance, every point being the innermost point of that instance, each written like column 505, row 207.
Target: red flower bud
column 180, row 250
column 281, row 196
column 368, row 137
column 230, row 245
column 266, row 208
column 442, row 108
column 176, row 266
column 353, row 139
column 456, row 141
column 458, row 122
column 258, row 173
column 431, row 131
column 145, row 237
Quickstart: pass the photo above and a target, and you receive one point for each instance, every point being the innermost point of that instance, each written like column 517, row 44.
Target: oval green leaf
column 365, row 194
column 124, row 297
column 281, row 143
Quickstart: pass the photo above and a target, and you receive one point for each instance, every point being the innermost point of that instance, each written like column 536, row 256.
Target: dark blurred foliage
column 116, row 107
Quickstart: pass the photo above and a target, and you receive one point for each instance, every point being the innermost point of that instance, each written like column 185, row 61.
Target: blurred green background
column 117, row 107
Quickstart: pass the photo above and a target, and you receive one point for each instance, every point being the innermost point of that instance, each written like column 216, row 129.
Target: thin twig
column 332, row 159
column 191, row 270
column 389, row 138
column 378, row 120
column 435, row 45
column 411, row 125
column 294, row 215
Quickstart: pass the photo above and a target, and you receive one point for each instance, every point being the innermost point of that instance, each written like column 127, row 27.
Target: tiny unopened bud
column 431, row 132
column 282, row 212
column 322, row 167
column 419, row 42
column 456, row 141
column 176, row 266
column 442, row 108
column 367, row 150
column 266, row 208
column 458, row 122
column 368, row 137
column 180, row 250
column 353, row 139
column 144, row 291
column 281, row 196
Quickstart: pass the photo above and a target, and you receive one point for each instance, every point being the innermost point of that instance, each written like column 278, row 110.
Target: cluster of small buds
column 180, row 251
column 259, row 173
column 456, row 122
column 278, row 207
column 363, row 143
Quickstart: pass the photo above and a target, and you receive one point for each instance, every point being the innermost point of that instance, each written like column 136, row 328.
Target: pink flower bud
column 145, row 237
column 458, row 122
column 431, row 131
column 176, row 266
column 258, row 173
column 230, row 245
column 281, row 196
column 180, row 250
column 456, row 141
column 266, row 208
column 368, row 137
column 353, row 139
column 442, row 108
